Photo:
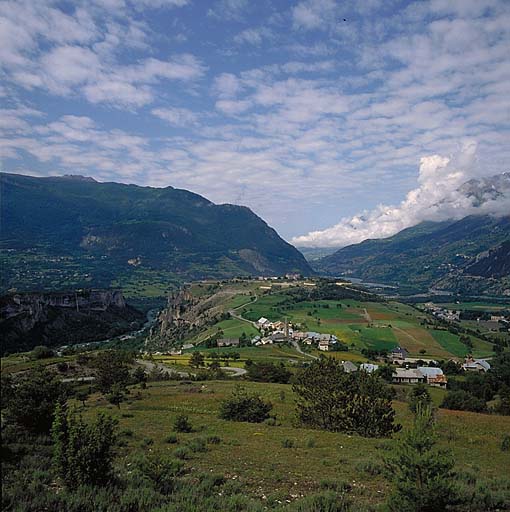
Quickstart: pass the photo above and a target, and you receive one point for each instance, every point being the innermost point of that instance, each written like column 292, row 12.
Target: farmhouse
column 228, row 342
column 435, row 376
column 398, row 353
column 369, row 367
column 263, row 322
column 408, row 376
column 414, row 361
column 323, row 345
column 349, row 367
column 476, row 365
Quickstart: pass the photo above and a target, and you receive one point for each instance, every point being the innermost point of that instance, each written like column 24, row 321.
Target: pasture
column 285, row 461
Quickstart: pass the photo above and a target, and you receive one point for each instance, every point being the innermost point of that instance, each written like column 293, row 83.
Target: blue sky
column 316, row 114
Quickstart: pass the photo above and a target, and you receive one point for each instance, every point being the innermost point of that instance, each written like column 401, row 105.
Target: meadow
column 286, row 461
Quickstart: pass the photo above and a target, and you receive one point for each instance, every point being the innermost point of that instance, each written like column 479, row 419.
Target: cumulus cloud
column 448, row 188
column 176, row 116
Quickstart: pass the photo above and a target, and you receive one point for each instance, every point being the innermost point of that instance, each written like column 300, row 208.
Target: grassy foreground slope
column 286, row 461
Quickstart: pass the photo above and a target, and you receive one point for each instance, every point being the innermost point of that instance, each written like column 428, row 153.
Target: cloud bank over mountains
column 448, row 188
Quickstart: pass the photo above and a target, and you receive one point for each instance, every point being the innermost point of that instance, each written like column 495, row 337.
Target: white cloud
column 313, row 14
column 439, row 196
column 253, row 36
column 176, row 116
column 229, row 10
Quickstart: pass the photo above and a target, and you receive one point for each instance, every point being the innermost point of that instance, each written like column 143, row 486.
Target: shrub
column 310, row 442
column 268, row 372
column 182, row 424
column 83, row 452
column 161, row 470
column 422, row 473
column 505, row 444
column 197, row 445
column 369, row 467
column 241, row 406
column 31, row 399
column 327, row 502
column 419, row 394
column 461, row 400
column 213, row 440
column 183, row 453
column 171, row 439
column 41, row 352
column 287, row 443
column 147, row 441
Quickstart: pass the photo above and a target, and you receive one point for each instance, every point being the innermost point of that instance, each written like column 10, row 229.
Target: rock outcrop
column 63, row 318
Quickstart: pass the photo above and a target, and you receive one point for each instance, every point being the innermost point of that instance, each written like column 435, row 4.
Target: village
column 492, row 321
column 405, row 369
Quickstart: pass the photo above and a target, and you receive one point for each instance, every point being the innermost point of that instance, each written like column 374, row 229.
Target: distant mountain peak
column 78, row 177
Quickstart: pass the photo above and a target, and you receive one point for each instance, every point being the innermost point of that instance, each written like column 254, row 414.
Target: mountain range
column 442, row 255
column 70, row 231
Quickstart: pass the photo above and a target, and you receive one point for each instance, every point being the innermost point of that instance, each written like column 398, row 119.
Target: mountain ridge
column 422, row 256
column 130, row 227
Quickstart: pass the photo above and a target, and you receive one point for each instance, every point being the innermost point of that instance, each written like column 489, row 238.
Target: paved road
column 233, row 313
column 295, row 344
column 149, row 365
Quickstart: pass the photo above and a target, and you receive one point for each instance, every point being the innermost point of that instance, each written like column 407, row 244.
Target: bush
column 197, row 445
column 213, row 440
column 171, row 439
column 421, row 472
column 182, row 453
column 287, row 443
column 182, row 424
column 32, row 398
column 419, row 394
column 461, row 400
column 161, row 470
column 505, row 444
column 83, row 452
column 41, row 352
column 369, row 467
column 268, row 372
column 310, row 442
column 241, row 406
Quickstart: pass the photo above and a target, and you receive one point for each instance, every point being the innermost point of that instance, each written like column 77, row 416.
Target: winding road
column 150, row 365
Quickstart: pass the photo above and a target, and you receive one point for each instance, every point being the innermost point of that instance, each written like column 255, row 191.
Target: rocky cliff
column 63, row 318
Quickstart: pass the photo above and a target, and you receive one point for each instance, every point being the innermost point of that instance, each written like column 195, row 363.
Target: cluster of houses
column 280, row 332
column 411, row 370
column 443, row 313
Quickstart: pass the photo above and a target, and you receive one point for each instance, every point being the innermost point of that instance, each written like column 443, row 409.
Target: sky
column 335, row 121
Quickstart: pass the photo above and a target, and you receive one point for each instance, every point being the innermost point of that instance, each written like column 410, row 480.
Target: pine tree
column 196, row 360
column 421, row 472
column 332, row 399
column 83, row 453
column 419, row 395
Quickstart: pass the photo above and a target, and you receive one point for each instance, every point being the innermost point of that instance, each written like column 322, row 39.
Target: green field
column 255, row 455
column 450, row 342
column 370, row 325
column 476, row 306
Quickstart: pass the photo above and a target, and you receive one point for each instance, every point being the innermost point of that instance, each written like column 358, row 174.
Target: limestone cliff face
column 53, row 318
column 186, row 313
